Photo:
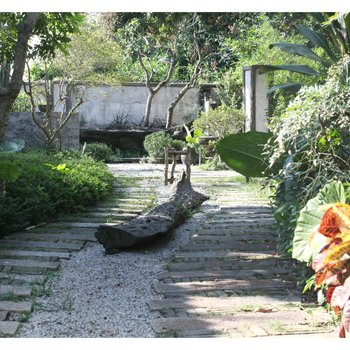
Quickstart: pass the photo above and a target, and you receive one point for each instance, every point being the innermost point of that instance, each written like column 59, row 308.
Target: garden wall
column 21, row 125
column 108, row 107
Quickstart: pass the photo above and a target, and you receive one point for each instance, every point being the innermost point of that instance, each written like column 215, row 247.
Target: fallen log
column 157, row 222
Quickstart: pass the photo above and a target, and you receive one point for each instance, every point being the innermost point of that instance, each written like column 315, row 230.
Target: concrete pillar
column 255, row 100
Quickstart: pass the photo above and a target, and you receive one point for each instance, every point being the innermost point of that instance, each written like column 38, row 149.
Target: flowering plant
column 326, row 246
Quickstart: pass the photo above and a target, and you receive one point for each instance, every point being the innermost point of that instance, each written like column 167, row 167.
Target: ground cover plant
column 46, row 185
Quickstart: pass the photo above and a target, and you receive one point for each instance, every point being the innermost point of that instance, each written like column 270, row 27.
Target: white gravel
column 99, row 295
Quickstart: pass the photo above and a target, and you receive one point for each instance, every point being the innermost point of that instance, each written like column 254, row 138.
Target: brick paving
column 228, row 280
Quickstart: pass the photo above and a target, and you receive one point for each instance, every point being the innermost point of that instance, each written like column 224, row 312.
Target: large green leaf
column 243, row 152
column 311, row 215
column 295, row 68
column 289, row 87
column 11, row 146
column 300, row 50
column 318, row 39
column 8, row 171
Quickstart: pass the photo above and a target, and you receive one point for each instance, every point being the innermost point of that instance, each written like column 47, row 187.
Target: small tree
column 195, row 74
column 17, row 29
column 51, row 123
column 149, row 71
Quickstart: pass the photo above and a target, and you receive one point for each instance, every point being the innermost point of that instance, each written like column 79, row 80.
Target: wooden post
column 166, row 157
column 172, row 176
column 188, row 165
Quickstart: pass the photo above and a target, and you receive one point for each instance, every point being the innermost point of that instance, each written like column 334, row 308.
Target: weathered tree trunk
column 148, row 108
column 9, row 93
column 158, row 222
column 170, row 110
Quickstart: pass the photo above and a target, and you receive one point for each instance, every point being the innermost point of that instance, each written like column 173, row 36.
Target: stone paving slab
column 34, row 254
column 239, row 325
column 9, row 328
column 75, row 224
column 57, row 236
column 234, row 285
column 244, row 303
column 16, row 306
column 20, row 291
column 52, row 265
column 267, row 273
column 30, row 279
column 258, row 238
column 235, row 246
column 220, row 259
column 13, row 243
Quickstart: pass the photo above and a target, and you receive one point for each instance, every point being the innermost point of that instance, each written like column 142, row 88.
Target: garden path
column 224, row 280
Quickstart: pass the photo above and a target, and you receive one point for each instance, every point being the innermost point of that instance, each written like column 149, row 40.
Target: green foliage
column 52, row 32
column 214, row 164
column 92, row 57
column 154, row 145
column 100, row 152
column 22, row 103
column 311, row 215
column 252, row 48
column 334, row 42
column 243, row 152
column 220, row 122
column 313, row 144
column 48, row 185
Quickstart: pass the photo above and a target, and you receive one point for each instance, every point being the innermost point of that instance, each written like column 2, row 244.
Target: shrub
column 100, row 152
column 220, row 122
column 313, row 144
column 214, row 164
column 154, row 145
column 49, row 185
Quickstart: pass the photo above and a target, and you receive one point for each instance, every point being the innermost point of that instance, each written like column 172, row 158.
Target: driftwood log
column 157, row 222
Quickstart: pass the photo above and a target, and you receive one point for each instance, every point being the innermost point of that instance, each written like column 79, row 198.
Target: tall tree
column 51, row 32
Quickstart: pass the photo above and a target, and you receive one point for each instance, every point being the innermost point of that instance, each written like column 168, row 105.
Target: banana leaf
column 311, row 215
column 300, row 50
column 295, row 68
column 290, row 87
column 243, row 152
column 317, row 39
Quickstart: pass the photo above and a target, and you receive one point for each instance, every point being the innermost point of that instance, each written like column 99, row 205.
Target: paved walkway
column 226, row 282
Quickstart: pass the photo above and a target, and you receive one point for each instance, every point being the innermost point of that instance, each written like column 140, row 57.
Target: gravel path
column 99, row 295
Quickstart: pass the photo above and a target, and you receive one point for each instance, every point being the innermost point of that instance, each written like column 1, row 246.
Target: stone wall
column 22, row 126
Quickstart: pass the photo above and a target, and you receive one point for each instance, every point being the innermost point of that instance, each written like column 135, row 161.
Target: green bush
column 313, row 143
column 49, row 185
column 214, row 164
column 154, row 145
column 100, row 151
column 220, row 122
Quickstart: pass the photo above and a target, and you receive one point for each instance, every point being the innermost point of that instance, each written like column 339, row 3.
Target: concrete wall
column 112, row 107
column 22, row 126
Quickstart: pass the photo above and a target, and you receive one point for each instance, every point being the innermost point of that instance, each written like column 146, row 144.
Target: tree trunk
column 148, row 108
column 170, row 111
column 9, row 93
column 158, row 222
